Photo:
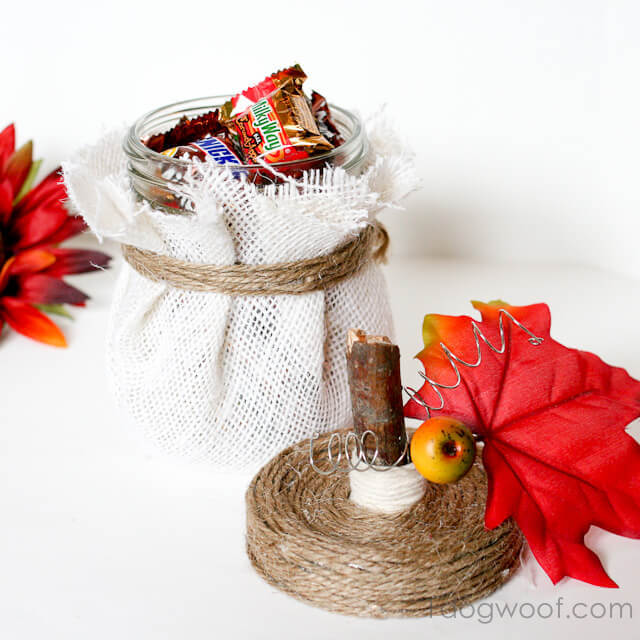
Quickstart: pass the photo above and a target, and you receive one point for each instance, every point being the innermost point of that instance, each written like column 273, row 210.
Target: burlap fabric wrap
column 305, row 537
column 227, row 330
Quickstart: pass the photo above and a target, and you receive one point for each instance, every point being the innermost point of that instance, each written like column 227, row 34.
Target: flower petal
column 18, row 166
column 28, row 181
column 76, row 261
column 44, row 289
column 72, row 226
column 49, row 187
column 4, row 273
column 7, row 145
column 32, row 260
column 24, row 319
column 37, row 226
column 6, row 202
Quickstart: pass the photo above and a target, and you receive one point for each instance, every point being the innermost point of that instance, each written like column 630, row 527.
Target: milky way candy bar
column 273, row 120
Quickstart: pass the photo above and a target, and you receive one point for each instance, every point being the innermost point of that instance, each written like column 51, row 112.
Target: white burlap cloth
column 232, row 381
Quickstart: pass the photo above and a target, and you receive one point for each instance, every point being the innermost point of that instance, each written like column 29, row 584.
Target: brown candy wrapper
column 190, row 130
column 322, row 114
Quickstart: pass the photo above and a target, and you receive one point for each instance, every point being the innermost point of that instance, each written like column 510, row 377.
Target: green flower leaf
column 54, row 309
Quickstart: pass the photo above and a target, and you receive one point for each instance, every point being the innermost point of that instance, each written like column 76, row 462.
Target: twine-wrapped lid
column 308, row 539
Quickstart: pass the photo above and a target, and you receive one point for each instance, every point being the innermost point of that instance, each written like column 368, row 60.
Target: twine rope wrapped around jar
column 293, row 278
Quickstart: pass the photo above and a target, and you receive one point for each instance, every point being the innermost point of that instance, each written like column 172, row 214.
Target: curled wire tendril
column 454, row 360
column 353, row 448
column 355, row 453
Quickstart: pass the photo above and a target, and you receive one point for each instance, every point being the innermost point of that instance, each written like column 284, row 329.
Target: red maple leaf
column 556, row 453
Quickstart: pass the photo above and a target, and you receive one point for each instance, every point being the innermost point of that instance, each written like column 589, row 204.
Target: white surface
column 100, row 540
column 523, row 114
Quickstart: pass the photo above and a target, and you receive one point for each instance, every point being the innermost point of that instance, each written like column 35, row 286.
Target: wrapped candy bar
column 210, row 146
column 322, row 113
column 188, row 130
column 274, row 121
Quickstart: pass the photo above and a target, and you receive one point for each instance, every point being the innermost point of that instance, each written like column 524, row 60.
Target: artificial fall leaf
column 556, row 453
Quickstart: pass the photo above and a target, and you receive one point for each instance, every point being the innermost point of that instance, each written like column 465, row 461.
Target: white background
column 102, row 539
column 523, row 114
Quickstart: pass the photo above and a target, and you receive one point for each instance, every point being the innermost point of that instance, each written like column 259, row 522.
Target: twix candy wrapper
column 273, row 120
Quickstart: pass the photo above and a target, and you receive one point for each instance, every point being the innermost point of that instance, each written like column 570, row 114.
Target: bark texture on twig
column 373, row 365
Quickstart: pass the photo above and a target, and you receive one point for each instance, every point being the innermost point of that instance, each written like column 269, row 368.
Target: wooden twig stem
column 373, row 364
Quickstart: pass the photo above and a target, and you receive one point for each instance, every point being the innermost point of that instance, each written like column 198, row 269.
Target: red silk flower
column 33, row 221
column 556, row 453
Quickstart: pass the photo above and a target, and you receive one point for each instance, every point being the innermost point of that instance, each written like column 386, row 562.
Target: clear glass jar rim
column 134, row 146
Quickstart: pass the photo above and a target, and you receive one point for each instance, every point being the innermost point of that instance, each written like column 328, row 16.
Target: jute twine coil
column 296, row 277
column 305, row 537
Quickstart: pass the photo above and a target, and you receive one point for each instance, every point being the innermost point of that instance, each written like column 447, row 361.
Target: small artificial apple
column 443, row 449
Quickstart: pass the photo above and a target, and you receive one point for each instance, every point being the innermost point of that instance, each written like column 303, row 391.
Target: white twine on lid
column 393, row 491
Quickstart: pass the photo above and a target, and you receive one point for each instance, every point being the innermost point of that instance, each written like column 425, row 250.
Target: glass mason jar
column 153, row 174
